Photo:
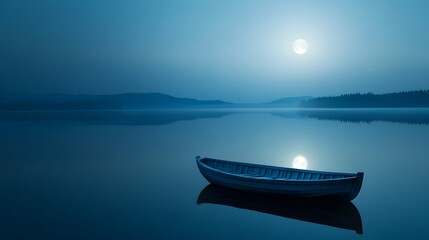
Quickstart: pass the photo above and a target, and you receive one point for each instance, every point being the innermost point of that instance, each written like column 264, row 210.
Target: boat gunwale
column 352, row 175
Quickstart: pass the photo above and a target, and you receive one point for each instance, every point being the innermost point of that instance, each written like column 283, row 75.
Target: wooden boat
column 329, row 212
column 278, row 180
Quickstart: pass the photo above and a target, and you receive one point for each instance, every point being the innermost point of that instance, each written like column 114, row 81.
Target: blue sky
column 233, row 50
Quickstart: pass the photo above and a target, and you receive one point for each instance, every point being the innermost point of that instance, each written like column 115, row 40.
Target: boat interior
column 268, row 172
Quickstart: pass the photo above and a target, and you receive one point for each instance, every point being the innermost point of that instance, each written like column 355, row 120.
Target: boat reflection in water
column 330, row 212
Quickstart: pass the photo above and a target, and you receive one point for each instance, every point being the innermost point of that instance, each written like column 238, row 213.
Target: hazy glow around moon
column 300, row 46
column 300, row 162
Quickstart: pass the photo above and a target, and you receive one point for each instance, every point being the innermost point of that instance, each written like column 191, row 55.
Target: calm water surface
column 132, row 174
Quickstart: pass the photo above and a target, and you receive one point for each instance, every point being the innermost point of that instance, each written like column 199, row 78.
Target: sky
column 240, row 51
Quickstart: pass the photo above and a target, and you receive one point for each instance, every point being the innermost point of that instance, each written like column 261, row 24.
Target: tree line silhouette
column 409, row 99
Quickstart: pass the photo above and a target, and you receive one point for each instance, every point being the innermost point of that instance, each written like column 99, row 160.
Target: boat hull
column 347, row 188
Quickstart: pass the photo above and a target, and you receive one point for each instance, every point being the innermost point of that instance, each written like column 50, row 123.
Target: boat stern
column 356, row 186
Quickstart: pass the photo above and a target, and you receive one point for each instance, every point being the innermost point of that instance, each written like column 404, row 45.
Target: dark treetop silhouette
column 411, row 99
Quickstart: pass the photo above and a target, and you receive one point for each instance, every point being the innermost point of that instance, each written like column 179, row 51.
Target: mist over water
column 132, row 174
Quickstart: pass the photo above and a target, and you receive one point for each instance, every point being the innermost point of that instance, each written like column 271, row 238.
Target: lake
column 132, row 174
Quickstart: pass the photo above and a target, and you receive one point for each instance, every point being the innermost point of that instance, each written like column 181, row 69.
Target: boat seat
column 248, row 174
column 263, row 177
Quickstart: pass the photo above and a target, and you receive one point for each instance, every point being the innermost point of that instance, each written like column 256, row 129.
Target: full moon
column 300, row 46
column 300, row 162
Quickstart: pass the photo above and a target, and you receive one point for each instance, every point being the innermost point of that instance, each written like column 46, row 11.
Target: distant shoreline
column 159, row 101
column 302, row 109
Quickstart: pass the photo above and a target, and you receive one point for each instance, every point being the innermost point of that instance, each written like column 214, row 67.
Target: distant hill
column 115, row 101
column 411, row 99
column 289, row 101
